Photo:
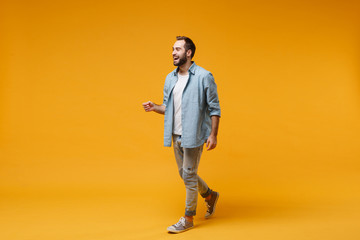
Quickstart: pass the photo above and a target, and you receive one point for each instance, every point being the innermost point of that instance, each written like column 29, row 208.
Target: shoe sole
column 217, row 197
column 178, row 231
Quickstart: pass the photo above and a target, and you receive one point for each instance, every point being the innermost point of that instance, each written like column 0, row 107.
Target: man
column 192, row 112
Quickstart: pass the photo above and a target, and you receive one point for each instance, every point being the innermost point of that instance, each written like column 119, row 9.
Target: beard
column 182, row 60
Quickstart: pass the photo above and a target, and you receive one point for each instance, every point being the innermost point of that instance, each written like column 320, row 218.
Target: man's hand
column 212, row 139
column 148, row 106
column 211, row 142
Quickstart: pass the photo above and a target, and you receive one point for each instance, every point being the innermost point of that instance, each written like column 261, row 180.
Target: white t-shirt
column 178, row 90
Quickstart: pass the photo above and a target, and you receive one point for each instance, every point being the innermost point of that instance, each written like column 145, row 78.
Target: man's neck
column 183, row 69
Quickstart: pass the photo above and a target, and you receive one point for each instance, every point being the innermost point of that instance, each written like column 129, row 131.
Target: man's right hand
column 149, row 106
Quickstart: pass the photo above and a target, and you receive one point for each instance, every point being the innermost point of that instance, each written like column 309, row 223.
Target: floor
column 131, row 214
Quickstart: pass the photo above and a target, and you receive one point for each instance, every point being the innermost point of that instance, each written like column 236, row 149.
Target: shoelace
column 181, row 222
column 208, row 206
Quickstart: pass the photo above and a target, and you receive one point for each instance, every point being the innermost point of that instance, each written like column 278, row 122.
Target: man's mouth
column 175, row 58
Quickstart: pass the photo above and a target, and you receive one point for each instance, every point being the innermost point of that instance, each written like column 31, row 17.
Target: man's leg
column 194, row 183
column 186, row 222
column 191, row 179
column 179, row 156
column 187, row 160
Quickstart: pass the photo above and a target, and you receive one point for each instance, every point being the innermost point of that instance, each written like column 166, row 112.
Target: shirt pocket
column 192, row 96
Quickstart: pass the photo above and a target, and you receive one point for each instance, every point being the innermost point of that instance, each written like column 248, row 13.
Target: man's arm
column 150, row 106
column 212, row 139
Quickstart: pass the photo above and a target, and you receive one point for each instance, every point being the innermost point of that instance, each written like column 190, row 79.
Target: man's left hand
column 211, row 142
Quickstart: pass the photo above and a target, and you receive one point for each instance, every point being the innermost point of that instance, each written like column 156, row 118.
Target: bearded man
column 192, row 113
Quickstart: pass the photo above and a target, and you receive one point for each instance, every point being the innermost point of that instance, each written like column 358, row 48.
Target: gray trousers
column 187, row 160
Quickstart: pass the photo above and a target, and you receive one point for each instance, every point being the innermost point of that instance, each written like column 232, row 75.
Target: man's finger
column 212, row 146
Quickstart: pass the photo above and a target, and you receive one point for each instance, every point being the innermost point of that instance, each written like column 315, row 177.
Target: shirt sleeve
column 166, row 92
column 212, row 97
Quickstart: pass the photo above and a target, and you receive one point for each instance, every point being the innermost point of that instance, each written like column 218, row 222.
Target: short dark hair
column 189, row 44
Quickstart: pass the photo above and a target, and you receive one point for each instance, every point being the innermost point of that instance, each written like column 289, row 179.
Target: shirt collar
column 191, row 69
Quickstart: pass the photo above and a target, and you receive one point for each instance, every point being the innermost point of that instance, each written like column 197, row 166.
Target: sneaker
column 181, row 226
column 211, row 204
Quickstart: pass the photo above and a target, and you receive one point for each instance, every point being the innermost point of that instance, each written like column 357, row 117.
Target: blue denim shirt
column 200, row 101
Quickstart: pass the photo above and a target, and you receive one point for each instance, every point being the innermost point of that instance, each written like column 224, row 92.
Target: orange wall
column 74, row 75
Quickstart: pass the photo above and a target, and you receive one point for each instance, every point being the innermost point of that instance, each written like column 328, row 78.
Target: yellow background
column 80, row 159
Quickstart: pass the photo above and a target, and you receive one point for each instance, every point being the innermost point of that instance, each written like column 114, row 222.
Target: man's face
column 179, row 53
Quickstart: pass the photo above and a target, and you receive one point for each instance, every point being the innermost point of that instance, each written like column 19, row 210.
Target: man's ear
column 188, row 53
